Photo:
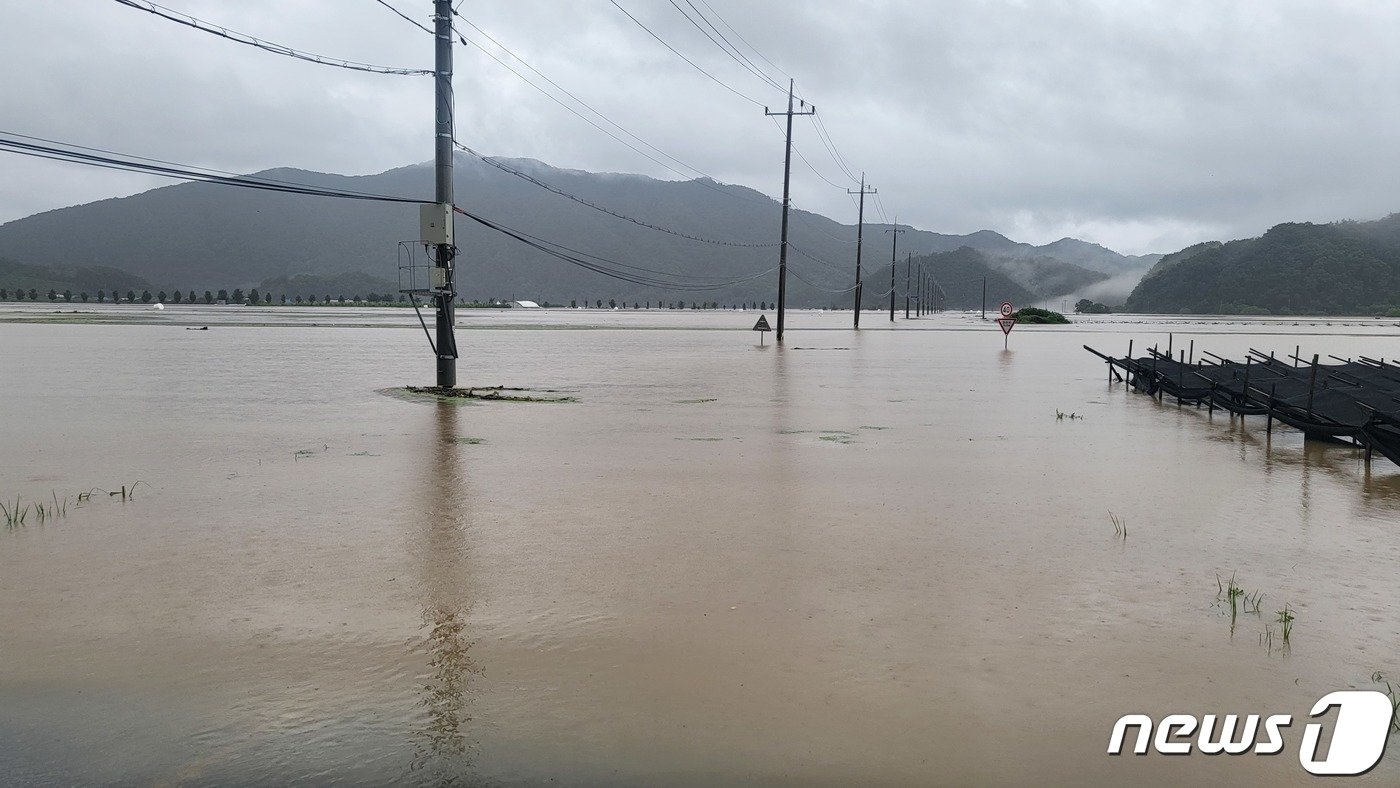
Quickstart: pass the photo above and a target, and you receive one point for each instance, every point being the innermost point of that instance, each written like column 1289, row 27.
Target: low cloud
column 1145, row 127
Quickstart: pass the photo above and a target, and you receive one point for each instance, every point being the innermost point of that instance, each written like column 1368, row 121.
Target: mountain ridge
column 1344, row 267
column 198, row 235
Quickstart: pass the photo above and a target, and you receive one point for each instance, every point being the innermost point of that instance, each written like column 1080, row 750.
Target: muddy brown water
column 873, row 558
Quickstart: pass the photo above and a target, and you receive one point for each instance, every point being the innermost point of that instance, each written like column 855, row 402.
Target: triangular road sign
column 1006, row 323
column 762, row 324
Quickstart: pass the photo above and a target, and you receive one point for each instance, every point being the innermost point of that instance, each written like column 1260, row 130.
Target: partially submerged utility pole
column 893, row 246
column 923, row 288
column 860, row 231
column 908, row 265
column 984, row 298
column 444, row 292
column 787, row 181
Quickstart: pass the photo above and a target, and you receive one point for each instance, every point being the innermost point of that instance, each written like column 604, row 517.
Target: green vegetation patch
column 1030, row 314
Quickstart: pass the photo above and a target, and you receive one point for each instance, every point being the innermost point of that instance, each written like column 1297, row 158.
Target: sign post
column 1007, row 321
column 762, row 327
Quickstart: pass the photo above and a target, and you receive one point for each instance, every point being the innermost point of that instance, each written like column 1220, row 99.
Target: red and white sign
column 1006, row 323
column 1007, row 309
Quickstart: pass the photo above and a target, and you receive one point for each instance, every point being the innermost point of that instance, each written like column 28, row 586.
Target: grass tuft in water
column 1285, row 620
column 14, row 513
column 1251, row 602
column 1120, row 526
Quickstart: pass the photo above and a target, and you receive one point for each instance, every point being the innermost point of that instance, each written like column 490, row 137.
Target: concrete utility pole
column 445, row 292
column 860, row 231
column 984, row 298
column 893, row 246
column 787, row 181
column 908, row 269
column 919, row 304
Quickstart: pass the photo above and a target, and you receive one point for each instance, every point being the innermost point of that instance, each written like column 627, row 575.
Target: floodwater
column 874, row 558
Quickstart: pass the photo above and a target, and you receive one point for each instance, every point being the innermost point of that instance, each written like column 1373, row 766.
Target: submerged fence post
column 1180, row 376
column 1273, row 390
column 1158, row 392
column 1312, row 382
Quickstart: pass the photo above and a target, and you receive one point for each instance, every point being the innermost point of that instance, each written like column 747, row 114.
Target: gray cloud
column 1143, row 126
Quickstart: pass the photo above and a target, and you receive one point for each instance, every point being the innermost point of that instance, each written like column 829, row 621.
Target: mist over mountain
column 960, row 275
column 1294, row 268
column 200, row 236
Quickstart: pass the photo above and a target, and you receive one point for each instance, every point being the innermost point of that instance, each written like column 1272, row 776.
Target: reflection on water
column 1344, row 464
column 442, row 747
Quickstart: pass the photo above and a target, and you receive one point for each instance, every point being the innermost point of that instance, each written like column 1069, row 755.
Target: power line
column 880, row 207
column 580, row 101
column 530, row 178
column 712, row 77
column 835, row 268
column 405, row 17
column 816, row 286
column 116, row 161
column 243, row 38
column 740, row 36
column 803, row 157
column 636, row 274
column 706, row 180
column 818, row 172
column 610, row 268
column 735, row 55
column 825, row 136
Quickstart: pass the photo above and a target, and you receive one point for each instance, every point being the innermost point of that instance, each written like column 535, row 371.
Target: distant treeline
column 254, row 297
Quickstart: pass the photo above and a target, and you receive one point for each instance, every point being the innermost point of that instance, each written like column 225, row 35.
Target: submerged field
column 884, row 557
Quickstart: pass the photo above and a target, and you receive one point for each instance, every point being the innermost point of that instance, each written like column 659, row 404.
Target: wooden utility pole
column 894, row 245
column 787, row 183
column 860, row 231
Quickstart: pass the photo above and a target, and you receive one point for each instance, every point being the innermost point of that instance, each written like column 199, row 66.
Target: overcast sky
column 1144, row 126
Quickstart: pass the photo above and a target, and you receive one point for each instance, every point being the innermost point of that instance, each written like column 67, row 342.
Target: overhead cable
column 279, row 49
column 536, row 181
